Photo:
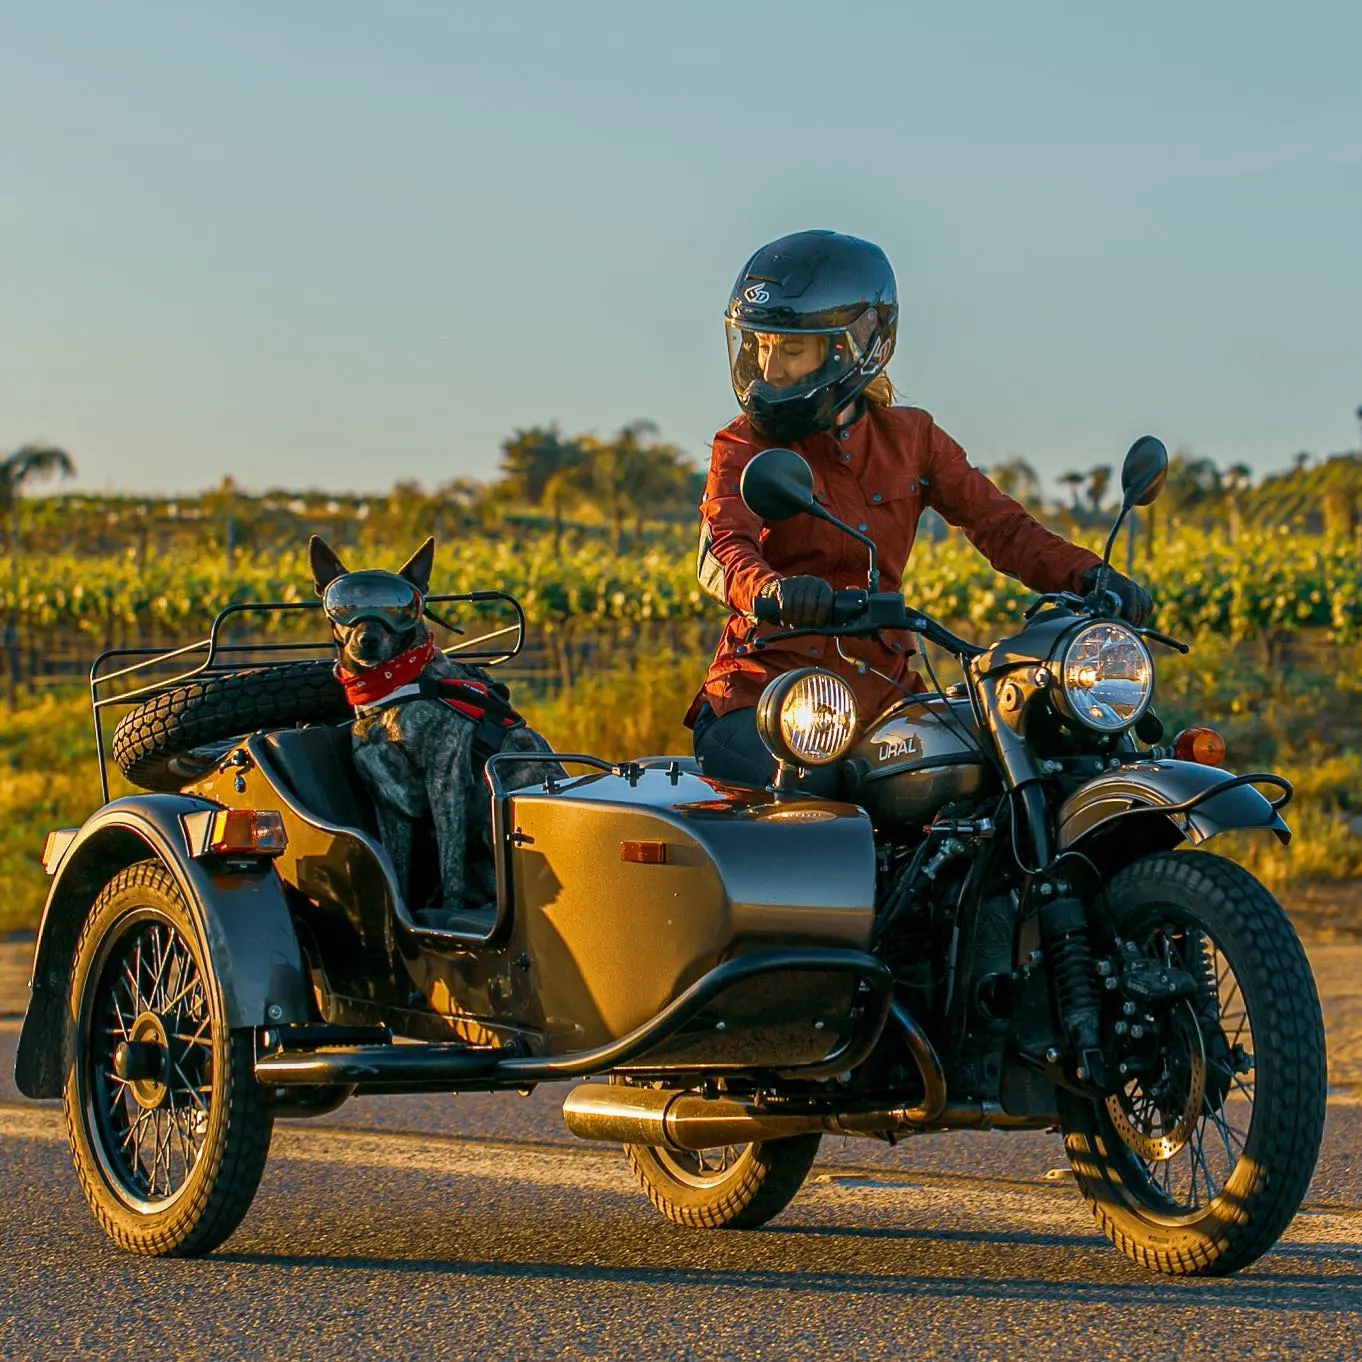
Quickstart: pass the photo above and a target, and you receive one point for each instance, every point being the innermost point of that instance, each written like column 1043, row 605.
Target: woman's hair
column 880, row 390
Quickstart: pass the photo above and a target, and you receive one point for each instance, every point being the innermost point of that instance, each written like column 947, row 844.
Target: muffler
column 676, row 1120
column 670, row 1119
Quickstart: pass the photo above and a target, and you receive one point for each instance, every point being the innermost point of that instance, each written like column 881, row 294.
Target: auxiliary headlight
column 1106, row 677
column 807, row 717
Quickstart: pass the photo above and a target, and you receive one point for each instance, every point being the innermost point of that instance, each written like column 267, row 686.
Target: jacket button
column 814, row 651
column 877, row 498
column 863, row 528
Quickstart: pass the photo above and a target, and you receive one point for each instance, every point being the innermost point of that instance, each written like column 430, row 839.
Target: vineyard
column 620, row 640
column 1265, row 585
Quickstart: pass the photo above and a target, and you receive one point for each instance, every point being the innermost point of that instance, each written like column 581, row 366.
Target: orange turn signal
column 645, row 853
column 247, row 832
column 1202, row 745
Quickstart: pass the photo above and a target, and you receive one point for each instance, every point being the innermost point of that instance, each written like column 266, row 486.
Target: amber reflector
column 645, row 853
column 249, row 832
column 1202, row 745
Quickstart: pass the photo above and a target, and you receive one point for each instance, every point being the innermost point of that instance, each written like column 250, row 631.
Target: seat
column 316, row 765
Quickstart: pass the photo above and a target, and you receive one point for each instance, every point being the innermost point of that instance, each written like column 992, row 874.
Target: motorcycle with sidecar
column 998, row 927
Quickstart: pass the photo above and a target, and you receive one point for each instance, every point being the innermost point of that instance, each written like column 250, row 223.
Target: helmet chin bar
column 787, row 419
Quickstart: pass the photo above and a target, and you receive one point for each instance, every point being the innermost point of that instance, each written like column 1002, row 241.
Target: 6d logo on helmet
column 756, row 293
column 877, row 356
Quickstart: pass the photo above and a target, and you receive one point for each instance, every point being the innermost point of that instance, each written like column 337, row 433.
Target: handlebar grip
column 849, row 605
column 766, row 610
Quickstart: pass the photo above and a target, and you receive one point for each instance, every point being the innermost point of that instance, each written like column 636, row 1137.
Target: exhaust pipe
column 684, row 1121
column 677, row 1120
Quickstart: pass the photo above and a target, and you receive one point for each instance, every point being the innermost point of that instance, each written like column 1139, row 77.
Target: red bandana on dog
column 367, row 688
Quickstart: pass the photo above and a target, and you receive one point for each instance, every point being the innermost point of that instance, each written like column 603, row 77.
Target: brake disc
column 1157, row 1120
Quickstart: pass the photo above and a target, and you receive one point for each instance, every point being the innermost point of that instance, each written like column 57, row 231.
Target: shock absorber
column 1064, row 930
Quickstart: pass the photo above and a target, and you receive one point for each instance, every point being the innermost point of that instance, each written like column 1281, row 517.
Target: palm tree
column 1099, row 479
column 1018, row 480
column 29, row 463
column 1073, row 480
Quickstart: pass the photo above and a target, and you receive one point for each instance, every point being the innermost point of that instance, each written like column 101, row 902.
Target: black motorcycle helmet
column 820, row 284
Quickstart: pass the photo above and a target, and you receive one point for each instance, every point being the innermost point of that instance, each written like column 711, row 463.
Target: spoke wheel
column 1200, row 1161
column 167, row 1125
column 735, row 1187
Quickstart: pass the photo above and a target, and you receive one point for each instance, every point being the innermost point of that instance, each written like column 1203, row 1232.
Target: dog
column 423, row 728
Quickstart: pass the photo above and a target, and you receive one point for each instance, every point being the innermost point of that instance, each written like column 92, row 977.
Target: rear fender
column 242, row 916
column 1139, row 803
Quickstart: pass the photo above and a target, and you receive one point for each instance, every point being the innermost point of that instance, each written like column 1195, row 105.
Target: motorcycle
column 998, row 927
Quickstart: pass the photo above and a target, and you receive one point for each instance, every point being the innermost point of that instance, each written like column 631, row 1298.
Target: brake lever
column 1051, row 598
column 753, row 644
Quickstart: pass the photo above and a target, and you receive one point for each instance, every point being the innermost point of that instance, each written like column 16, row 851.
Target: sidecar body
column 648, row 920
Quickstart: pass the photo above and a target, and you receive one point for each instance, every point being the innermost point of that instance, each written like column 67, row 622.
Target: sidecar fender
column 1141, row 801
column 242, row 917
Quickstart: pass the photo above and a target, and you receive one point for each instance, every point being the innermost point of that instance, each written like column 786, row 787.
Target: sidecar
column 214, row 956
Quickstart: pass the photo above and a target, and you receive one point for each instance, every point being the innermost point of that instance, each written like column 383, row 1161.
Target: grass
column 1304, row 722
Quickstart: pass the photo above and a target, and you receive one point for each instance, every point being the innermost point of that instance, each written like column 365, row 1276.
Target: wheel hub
column 143, row 1060
column 1156, row 1119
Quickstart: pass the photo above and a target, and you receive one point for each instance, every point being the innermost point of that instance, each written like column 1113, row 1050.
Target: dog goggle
column 381, row 596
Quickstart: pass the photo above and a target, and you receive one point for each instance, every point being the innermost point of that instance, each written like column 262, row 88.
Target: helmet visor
column 381, row 596
column 796, row 363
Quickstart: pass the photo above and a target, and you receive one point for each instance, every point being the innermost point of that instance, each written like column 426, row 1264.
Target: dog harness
column 483, row 702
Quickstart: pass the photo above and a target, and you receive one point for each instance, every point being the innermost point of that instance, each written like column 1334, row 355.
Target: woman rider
column 811, row 325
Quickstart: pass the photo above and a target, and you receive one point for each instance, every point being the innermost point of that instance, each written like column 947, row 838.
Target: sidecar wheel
column 1198, row 1164
column 168, row 1128
column 732, row 1187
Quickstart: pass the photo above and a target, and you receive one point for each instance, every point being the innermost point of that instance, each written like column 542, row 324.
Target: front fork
column 1055, row 895
column 1067, row 947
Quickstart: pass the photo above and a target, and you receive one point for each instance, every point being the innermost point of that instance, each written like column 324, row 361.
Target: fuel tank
column 920, row 755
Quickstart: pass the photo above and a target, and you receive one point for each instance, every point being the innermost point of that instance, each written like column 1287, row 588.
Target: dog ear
column 418, row 567
column 326, row 567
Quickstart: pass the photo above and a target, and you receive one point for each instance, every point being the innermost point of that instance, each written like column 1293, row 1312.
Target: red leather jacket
column 878, row 475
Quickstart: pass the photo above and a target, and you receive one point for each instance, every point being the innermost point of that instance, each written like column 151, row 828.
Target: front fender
column 1141, row 790
column 242, row 917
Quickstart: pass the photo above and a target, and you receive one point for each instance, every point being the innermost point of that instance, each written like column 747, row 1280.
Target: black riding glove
column 803, row 602
column 1136, row 603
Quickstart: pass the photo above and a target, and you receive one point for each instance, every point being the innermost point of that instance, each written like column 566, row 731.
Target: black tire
column 753, row 1187
column 1267, row 1073
column 154, row 745
column 164, row 1177
column 751, row 1184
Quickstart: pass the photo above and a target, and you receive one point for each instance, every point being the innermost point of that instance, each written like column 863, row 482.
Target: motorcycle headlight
column 807, row 717
column 1106, row 677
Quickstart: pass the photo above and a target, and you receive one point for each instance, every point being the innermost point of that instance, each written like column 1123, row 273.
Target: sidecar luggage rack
column 222, row 659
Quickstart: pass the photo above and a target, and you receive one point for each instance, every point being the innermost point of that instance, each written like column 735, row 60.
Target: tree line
column 614, row 488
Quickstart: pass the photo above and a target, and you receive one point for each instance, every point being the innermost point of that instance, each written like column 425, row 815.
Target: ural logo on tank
column 896, row 745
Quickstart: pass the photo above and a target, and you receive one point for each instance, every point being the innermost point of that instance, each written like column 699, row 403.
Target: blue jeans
column 729, row 749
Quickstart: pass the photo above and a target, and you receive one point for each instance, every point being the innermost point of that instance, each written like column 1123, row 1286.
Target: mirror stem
column 873, row 575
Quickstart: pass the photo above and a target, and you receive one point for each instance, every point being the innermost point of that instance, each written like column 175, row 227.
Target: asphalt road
column 476, row 1226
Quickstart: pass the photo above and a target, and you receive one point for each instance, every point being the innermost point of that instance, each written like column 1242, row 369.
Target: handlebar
column 857, row 611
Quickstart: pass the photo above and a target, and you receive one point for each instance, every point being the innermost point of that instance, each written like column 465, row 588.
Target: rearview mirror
column 1143, row 472
column 777, row 484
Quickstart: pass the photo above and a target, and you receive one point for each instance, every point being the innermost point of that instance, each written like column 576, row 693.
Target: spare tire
column 156, row 744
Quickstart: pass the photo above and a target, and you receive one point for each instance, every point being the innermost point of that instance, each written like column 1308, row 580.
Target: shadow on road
column 891, row 1263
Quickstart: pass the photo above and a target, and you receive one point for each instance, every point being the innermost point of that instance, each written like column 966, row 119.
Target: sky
column 334, row 244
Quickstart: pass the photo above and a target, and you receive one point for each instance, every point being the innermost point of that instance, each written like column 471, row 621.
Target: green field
column 1300, row 716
